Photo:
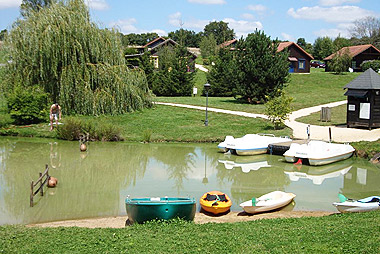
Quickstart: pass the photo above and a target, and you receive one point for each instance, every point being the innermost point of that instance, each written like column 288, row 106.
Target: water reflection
column 95, row 183
column 317, row 174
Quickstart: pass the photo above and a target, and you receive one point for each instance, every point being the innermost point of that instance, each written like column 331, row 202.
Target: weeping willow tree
column 81, row 66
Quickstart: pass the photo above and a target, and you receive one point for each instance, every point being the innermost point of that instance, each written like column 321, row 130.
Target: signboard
column 351, row 107
column 364, row 111
column 195, row 90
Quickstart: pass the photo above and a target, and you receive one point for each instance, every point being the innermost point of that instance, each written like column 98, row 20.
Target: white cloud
column 207, row 1
column 342, row 30
column 243, row 27
column 175, row 19
column 336, row 14
column 4, row 4
column 336, row 2
column 127, row 26
column 257, row 8
column 287, row 37
column 248, row 16
column 97, row 4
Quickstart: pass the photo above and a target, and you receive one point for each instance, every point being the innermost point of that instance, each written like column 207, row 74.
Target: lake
column 95, row 183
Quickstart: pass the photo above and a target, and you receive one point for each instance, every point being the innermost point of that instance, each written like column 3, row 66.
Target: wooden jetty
column 282, row 147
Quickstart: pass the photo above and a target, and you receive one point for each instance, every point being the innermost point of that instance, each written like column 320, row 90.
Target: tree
column 186, row 37
column 341, row 62
column 340, row 42
column 79, row 65
column 223, row 76
column 3, row 33
column 262, row 71
column 323, row 47
column 278, row 109
column 172, row 78
column 366, row 31
column 305, row 45
column 29, row 6
column 220, row 30
column 208, row 47
column 138, row 39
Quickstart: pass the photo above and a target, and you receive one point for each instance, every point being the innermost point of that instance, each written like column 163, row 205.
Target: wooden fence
column 38, row 186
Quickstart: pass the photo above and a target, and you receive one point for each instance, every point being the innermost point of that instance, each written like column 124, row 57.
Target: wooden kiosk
column 363, row 102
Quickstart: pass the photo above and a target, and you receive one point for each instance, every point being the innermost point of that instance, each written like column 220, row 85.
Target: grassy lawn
column 318, row 87
column 169, row 124
column 338, row 117
column 339, row 233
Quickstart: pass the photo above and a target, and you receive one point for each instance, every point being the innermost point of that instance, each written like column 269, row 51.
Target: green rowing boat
column 145, row 209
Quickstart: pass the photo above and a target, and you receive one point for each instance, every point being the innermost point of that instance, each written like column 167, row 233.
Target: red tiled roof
column 352, row 50
column 227, row 43
column 286, row 44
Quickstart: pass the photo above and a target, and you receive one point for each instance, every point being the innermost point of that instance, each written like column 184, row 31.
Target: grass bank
column 338, row 233
column 166, row 123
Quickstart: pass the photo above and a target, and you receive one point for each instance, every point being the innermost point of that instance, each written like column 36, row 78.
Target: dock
column 282, row 147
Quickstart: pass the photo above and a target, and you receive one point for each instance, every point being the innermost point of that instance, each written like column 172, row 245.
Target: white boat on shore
column 361, row 205
column 222, row 146
column 250, row 144
column 268, row 202
column 318, row 153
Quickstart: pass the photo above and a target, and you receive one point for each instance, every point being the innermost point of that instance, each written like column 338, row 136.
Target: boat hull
column 324, row 161
column 140, row 210
column 219, row 208
column 356, row 207
column 254, row 151
column 268, row 202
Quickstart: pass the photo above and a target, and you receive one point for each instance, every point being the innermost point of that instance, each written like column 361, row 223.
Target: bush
column 374, row 64
column 27, row 106
column 278, row 109
column 5, row 120
column 74, row 128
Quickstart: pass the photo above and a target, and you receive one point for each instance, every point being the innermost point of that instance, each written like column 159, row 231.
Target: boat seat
column 221, row 198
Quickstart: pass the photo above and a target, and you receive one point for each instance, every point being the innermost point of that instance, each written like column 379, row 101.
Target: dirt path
column 200, row 218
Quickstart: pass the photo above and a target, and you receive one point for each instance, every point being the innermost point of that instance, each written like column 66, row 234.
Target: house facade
column 359, row 54
column 299, row 59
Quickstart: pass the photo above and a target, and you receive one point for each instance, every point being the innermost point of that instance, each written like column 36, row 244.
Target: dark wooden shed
column 363, row 106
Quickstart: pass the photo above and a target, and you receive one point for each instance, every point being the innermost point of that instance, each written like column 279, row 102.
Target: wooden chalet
column 299, row 59
column 154, row 48
column 359, row 54
column 229, row 44
column 363, row 102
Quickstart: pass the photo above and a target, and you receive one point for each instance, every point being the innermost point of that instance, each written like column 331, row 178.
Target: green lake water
column 95, row 183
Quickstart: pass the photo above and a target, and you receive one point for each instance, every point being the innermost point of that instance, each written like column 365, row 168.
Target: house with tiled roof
column 154, row 47
column 299, row 59
column 229, row 44
column 359, row 54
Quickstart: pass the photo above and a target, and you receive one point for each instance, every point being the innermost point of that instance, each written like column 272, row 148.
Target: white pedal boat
column 251, row 144
column 222, row 146
column 362, row 205
column 318, row 152
column 268, row 202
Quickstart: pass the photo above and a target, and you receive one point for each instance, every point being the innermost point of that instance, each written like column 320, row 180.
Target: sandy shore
column 200, row 218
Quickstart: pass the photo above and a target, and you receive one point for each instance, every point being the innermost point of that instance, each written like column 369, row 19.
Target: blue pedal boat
column 141, row 210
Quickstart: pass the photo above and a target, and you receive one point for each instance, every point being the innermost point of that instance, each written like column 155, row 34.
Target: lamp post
column 207, row 87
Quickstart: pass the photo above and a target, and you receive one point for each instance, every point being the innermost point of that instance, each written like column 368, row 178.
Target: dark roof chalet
column 368, row 80
column 352, row 50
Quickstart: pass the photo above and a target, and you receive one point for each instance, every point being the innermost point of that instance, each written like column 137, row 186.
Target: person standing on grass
column 55, row 113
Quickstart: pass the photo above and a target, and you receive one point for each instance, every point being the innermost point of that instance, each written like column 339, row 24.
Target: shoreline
column 200, row 218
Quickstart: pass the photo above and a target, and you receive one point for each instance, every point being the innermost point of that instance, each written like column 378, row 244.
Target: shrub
column 27, row 106
column 277, row 109
column 374, row 64
column 5, row 120
column 74, row 128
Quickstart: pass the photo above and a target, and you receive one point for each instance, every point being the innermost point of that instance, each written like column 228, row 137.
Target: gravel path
column 339, row 134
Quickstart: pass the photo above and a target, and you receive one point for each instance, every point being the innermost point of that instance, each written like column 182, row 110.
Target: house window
column 155, row 61
column 353, row 64
column 301, row 64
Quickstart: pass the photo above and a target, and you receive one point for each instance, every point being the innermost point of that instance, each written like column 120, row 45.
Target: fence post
column 31, row 194
column 41, row 186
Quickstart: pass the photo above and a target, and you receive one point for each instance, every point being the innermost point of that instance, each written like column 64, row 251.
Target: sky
column 282, row 19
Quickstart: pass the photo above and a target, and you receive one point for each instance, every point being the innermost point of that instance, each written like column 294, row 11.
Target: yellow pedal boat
column 215, row 202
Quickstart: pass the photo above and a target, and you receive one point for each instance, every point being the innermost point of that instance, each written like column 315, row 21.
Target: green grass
column 307, row 90
column 170, row 124
column 199, row 80
column 338, row 117
column 339, row 233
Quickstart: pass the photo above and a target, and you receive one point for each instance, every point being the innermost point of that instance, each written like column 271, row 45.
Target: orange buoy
column 83, row 147
column 52, row 182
